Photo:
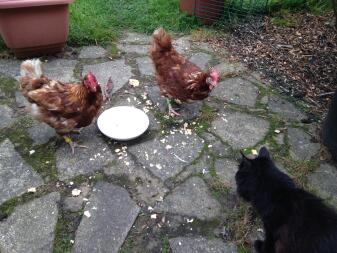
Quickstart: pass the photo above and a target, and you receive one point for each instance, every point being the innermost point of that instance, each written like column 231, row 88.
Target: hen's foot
column 171, row 111
column 73, row 144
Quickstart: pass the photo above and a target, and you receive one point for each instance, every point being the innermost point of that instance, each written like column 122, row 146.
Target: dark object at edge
column 3, row 216
column 329, row 131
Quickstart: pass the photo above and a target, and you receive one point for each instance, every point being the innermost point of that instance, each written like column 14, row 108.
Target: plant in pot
column 34, row 27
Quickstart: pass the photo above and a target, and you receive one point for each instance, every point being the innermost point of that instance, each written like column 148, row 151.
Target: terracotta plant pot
column 207, row 11
column 34, row 27
column 188, row 6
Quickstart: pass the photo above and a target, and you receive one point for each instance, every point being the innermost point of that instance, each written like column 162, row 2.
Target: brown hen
column 177, row 77
column 64, row 106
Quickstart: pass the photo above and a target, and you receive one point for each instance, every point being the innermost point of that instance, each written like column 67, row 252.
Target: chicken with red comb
column 63, row 106
column 177, row 77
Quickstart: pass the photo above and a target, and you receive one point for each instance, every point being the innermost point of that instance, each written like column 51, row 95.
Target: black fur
column 294, row 220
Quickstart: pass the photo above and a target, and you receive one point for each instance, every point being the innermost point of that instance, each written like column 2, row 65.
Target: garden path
column 171, row 190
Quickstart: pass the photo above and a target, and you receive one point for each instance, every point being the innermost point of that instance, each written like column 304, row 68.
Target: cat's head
column 251, row 172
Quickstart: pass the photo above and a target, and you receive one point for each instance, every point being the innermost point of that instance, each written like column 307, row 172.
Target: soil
column 298, row 55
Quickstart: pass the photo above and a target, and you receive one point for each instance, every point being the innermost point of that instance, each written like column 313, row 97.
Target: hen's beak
column 212, row 84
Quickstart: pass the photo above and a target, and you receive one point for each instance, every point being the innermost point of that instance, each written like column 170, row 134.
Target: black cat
column 294, row 220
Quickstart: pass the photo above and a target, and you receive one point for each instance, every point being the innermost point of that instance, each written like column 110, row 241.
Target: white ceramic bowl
column 123, row 123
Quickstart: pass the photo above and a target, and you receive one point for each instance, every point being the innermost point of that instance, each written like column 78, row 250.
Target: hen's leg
column 73, row 144
column 76, row 131
column 171, row 110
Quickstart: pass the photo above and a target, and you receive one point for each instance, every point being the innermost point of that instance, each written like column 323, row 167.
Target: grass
column 2, row 45
column 165, row 245
column 65, row 231
column 299, row 170
column 241, row 221
column 7, row 87
column 101, row 21
column 284, row 21
column 243, row 249
column 219, row 190
column 314, row 6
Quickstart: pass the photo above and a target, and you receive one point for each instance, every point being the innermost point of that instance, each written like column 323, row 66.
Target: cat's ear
column 264, row 153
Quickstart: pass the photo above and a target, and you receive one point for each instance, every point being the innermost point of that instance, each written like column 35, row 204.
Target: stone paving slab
column 237, row 91
column 284, row 108
column 182, row 45
column 324, row 180
column 201, row 59
column 7, row 116
column 30, row 228
column 192, row 199
column 228, row 69
column 167, row 155
column 226, row 170
column 187, row 111
column 41, row 133
column 15, row 175
column 145, row 66
column 10, row 68
column 149, row 188
column 279, row 138
column 240, row 130
column 134, row 49
column 203, row 46
column 60, row 69
column 154, row 94
column 200, row 245
column 203, row 166
column 112, row 214
column 75, row 203
column 20, row 100
column 301, row 146
column 136, row 38
column 85, row 160
column 92, row 52
column 118, row 70
column 215, row 146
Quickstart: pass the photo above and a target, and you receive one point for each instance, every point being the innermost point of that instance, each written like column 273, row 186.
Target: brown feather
column 176, row 77
column 62, row 106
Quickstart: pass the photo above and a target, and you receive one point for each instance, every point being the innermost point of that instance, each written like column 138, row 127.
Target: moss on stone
column 43, row 159
column 65, row 229
column 8, row 86
column 206, row 228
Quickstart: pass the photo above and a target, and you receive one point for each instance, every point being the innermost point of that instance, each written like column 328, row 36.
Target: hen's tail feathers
column 162, row 40
column 31, row 68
